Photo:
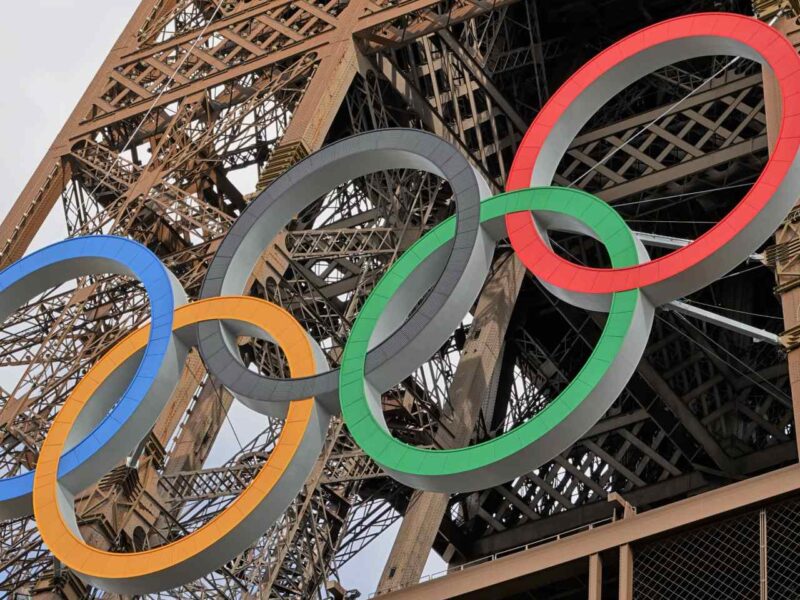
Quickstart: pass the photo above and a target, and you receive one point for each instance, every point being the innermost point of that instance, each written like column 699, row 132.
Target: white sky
column 45, row 75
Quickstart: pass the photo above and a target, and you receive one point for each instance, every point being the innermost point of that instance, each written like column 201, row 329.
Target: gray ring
column 399, row 343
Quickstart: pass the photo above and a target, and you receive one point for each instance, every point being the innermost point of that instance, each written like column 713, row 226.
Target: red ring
column 776, row 51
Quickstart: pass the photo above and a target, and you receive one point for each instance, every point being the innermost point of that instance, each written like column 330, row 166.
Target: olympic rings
column 565, row 418
column 302, row 185
column 392, row 334
column 105, row 437
column 241, row 523
column 726, row 244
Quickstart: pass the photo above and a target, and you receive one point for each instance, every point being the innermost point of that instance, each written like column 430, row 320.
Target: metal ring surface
column 230, row 532
column 453, row 259
column 107, row 436
column 558, row 425
column 398, row 343
column 730, row 241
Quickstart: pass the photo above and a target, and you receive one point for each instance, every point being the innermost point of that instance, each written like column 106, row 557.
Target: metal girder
column 247, row 95
column 665, row 151
column 666, row 241
column 180, row 201
column 479, row 118
column 117, row 94
column 707, row 316
column 584, row 515
column 468, row 388
column 630, row 529
column 786, row 235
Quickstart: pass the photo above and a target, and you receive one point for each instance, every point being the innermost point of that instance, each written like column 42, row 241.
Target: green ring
column 415, row 465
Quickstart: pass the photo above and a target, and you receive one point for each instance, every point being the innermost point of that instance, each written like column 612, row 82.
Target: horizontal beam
column 760, row 335
column 667, row 241
column 656, row 493
column 189, row 37
column 201, row 85
column 582, row 516
column 680, row 170
column 718, row 91
column 476, row 580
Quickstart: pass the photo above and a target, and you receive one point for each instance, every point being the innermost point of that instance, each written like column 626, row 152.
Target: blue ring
column 71, row 257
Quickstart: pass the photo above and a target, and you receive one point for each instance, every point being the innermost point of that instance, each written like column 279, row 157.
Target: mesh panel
column 783, row 551
column 719, row 562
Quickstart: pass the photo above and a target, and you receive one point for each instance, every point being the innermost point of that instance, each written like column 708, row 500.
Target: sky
column 45, row 75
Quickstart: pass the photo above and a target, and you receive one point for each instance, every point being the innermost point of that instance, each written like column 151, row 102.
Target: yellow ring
column 151, row 569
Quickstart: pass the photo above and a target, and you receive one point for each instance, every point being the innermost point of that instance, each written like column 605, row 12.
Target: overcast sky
column 51, row 49
column 45, row 75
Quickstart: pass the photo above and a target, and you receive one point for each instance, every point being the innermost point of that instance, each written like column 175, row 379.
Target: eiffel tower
column 201, row 104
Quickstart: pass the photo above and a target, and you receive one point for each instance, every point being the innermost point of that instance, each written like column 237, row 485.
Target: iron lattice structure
column 202, row 103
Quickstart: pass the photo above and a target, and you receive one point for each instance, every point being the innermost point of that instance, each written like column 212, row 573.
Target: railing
column 493, row 557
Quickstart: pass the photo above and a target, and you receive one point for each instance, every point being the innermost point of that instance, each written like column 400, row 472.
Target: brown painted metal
column 263, row 87
column 618, row 534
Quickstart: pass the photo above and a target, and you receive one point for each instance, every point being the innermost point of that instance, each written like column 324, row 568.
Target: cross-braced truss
column 202, row 103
